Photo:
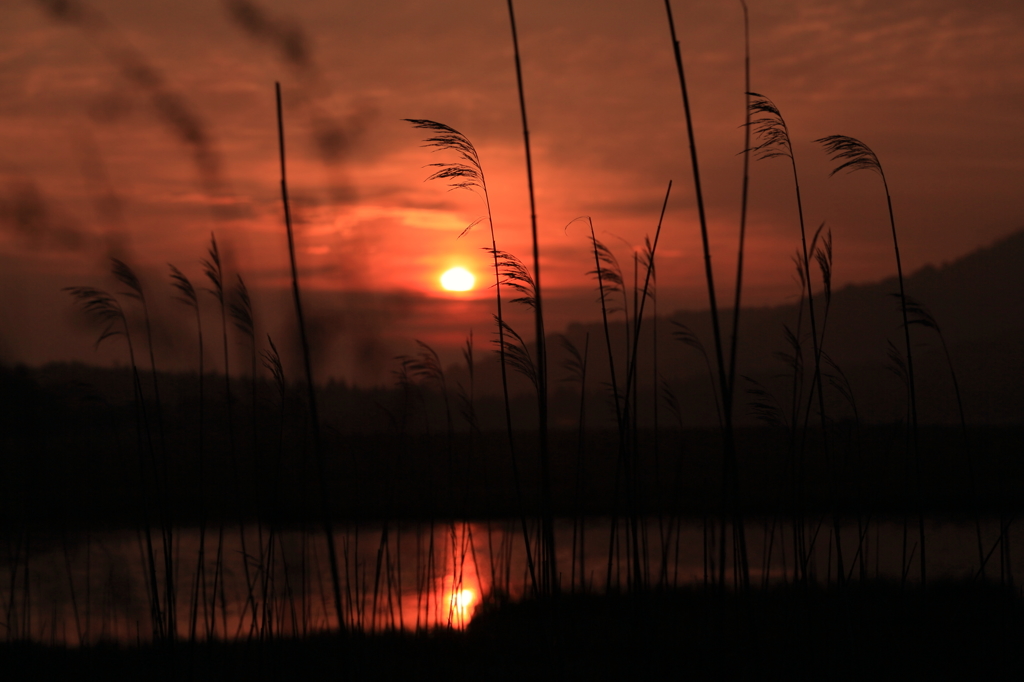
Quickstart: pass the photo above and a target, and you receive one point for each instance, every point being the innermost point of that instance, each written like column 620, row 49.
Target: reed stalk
column 468, row 173
column 631, row 381
column 107, row 310
column 214, row 271
column 242, row 314
column 576, row 365
column 609, row 280
column 920, row 315
column 734, row 341
column 307, row 366
column 126, row 276
column 852, row 155
column 730, row 473
column 187, row 295
column 272, row 362
column 549, row 568
column 774, row 141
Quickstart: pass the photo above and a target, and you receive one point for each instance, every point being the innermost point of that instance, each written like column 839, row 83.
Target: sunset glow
column 462, row 606
column 137, row 130
column 457, row 279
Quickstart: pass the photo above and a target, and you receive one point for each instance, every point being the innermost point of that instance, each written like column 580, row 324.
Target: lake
column 266, row 582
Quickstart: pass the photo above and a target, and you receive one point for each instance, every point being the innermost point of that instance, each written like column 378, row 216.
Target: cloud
column 286, row 37
column 26, row 213
column 172, row 108
column 333, row 135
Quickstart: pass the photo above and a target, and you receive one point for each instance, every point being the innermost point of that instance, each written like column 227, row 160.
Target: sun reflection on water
column 461, row 603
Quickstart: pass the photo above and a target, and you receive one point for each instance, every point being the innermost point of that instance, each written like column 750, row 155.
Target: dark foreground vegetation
column 872, row 630
column 231, row 447
column 70, row 436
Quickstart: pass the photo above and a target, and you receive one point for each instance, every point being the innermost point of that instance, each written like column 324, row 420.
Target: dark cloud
column 27, row 214
column 172, row 108
column 287, row 38
column 71, row 12
column 107, row 203
column 333, row 135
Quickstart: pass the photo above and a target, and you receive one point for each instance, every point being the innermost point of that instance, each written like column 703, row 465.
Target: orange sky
column 135, row 129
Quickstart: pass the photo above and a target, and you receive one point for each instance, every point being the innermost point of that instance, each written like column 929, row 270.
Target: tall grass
column 468, row 173
column 332, row 554
column 548, row 565
column 576, row 365
column 107, row 310
column 852, row 155
column 213, row 269
column 187, row 295
column 730, row 474
column 774, row 138
column 127, row 277
column 357, row 605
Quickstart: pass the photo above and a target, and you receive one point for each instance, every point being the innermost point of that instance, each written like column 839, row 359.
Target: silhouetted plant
column 730, row 474
column 244, row 320
column 774, row 141
column 107, row 310
column 576, row 366
column 468, row 174
column 736, row 305
column 853, row 155
column 126, row 276
column 213, row 269
column 187, row 295
column 548, row 563
column 918, row 314
column 332, row 555
column 609, row 281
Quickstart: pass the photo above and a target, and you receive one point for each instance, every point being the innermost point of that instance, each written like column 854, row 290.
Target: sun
column 457, row 279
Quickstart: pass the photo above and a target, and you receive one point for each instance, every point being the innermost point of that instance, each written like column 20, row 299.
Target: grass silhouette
column 266, row 590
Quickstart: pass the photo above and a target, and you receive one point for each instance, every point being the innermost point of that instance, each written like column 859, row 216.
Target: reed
column 548, row 564
column 774, row 141
column 730, row 474
column 852, row 155
column 609, row 281
column 241, row 311
column 126, row 276
column 107, row 311
column 271, row 360
column 631, row 381
column 427, row 367
column 365, row 599
column 744, row 193
column 576, row 366
column 310, row 387
column 187, row 295
column 920, row 315
column 468, row 174
column 213, row 269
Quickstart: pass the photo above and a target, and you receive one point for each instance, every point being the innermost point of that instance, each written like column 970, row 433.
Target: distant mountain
column 977, row 300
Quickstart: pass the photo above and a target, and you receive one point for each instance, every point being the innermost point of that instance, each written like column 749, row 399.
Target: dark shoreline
column 67, row 484
column 875, row 629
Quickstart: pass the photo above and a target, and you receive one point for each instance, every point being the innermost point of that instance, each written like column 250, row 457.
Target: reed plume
column 853, row 155
column 468, row 174
column 107, row 310
column 126, row 276
column 188, row 296
column 774, row 141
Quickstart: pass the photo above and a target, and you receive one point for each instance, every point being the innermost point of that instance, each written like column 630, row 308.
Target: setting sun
column 457, row 279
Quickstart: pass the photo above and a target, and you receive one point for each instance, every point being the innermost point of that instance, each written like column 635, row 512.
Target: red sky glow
column 137, row 129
